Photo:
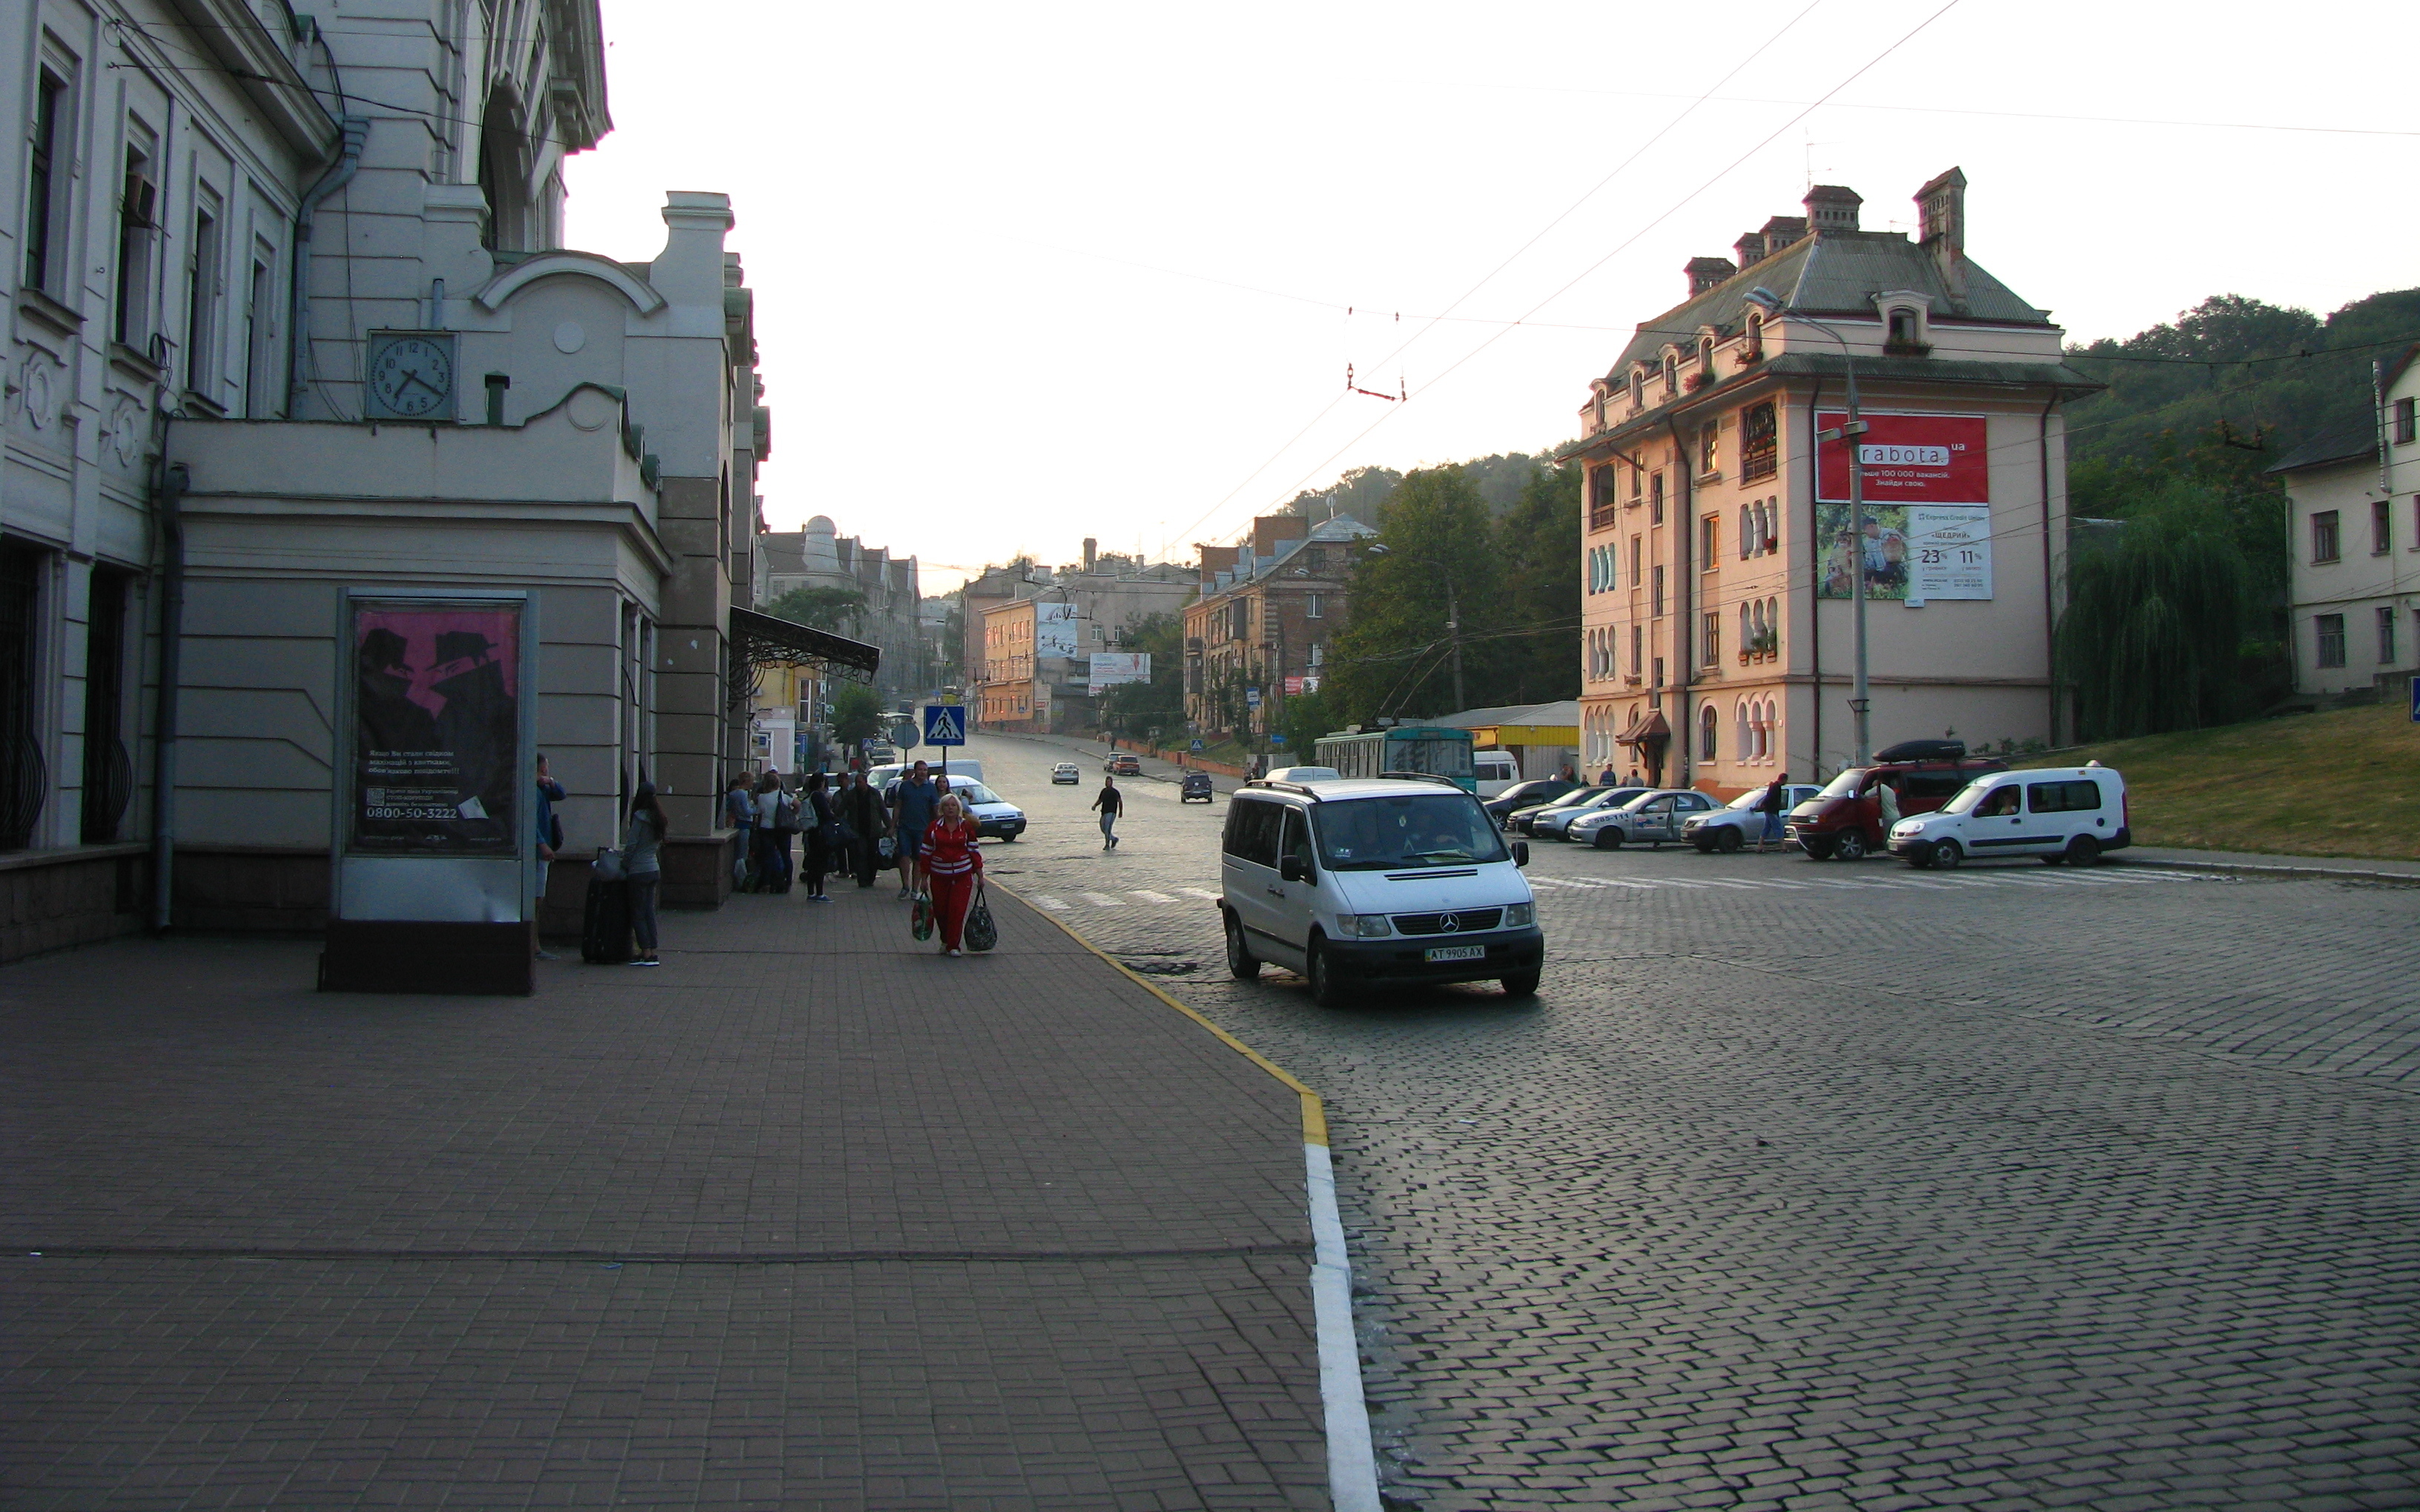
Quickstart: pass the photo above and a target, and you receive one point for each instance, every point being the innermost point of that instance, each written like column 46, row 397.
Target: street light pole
column 1860, row 700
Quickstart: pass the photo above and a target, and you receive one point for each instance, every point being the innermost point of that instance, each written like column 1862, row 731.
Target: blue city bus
column 1402, row 749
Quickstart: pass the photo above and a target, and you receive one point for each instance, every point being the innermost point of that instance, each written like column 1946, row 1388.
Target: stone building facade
column 820, row 557
column 1719, row 569
column 2354, row 495
column 215, row 250
column 1269, row 608
column 1036, row 630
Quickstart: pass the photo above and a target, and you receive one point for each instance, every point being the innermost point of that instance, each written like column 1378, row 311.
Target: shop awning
column 760, row 640
column 1648, row 726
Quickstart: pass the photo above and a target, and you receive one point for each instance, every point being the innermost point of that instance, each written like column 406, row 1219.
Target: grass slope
column 2346, row 782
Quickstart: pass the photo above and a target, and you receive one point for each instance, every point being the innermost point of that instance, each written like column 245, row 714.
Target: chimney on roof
column 1832, row 208
column 1782, row 231
column 1707, row 273
column 1091, row 553
column 1269, row 530
column 1750, row 249
column 1941, row 213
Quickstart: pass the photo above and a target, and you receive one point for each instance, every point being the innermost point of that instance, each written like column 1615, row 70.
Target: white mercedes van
column 2061, row 813
column 1374, row 880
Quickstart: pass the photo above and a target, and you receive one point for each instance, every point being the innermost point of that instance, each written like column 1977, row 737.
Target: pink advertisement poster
column 436, row 729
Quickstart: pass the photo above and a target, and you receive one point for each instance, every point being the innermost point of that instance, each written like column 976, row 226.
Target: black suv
column 1196, row 785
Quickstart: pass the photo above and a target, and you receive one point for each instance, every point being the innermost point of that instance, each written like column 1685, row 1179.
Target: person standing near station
column 1111, row 803
column 550, row 837
column 641, row 838
column 862, row 806
column 913, row 806
column 822, row 826
column 952, row 860
column 740, row 812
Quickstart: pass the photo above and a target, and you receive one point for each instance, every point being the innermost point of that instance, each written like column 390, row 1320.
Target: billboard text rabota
column 1927, row 493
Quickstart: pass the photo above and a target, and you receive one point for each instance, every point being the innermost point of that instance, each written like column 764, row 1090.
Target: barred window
column 1760, row 442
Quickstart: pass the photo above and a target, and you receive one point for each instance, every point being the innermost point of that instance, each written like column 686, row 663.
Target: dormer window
column 1706, row 356
column 1671, row 374
column 1638, row 388
column 1752, row 345
column 1904, row 322
column 1902, row 328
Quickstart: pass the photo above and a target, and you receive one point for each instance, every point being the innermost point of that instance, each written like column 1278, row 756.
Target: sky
column 1030, row 274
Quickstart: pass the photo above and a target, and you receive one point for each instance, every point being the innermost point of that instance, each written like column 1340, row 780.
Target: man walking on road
column 1770, row 807
column 912, row 813
column 1111, row 803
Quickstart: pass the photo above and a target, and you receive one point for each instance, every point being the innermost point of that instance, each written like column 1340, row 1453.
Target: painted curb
column 2276, row 869
column 1352, row 1458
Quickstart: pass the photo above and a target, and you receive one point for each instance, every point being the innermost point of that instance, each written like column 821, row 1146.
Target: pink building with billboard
column 1720, row 565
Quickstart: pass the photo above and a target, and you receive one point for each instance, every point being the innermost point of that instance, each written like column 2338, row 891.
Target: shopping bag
column 981, row 933
column 608, row 865
column 920, row 918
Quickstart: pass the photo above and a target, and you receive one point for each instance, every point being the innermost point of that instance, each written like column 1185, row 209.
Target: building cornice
column 235, row 37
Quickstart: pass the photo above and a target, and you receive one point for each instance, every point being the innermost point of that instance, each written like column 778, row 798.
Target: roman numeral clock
column 409, row 376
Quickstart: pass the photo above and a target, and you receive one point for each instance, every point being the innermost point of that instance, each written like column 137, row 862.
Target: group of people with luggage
column 843, row 825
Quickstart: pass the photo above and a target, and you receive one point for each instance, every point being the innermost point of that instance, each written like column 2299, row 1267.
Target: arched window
column 1746, row 524
column 1707, row 725
column 1638, row 397
column 1706, row 356
column 1773, row 624
column 1903, row 329
column 1748, row 629
column 1772, row 729
column 1755, row 334
column 1671, row 374
column 1746, row 743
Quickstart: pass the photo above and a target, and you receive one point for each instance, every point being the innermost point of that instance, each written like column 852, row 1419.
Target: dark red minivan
column 1847, row 820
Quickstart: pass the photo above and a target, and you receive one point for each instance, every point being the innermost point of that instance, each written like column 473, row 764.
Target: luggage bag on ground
column 605, row 925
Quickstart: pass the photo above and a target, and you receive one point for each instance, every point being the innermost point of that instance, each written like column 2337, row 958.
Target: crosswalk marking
column 1150, row 897
column 1046, row 900
column 1102, row 899
column 1201, row 892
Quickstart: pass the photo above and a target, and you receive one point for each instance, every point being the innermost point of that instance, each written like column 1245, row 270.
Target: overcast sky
column 1028, row 275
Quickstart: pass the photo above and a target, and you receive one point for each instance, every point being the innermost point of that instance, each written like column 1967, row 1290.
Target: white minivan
column 1496, row 770
column 2063, row 813
column 1375, row 880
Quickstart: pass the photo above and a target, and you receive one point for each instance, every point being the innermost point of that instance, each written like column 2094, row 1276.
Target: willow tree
column 2158, row 619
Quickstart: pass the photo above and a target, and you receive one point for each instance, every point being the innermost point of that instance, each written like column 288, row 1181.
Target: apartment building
column 1269, row 608
column 1720, row 566
column 2353, row 494
column 1039, row 628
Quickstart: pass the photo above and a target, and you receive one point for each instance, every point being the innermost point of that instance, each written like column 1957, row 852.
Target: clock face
column 412, row 376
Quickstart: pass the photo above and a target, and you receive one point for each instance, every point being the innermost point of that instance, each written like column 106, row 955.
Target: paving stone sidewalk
column 808, row 1217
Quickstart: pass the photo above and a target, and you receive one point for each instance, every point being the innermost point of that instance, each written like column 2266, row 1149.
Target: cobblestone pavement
column 1826, row 1186
column 808, row 1217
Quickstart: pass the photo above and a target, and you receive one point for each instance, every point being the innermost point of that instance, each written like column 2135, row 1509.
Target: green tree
column 836, row 609
column 2163, row 620
column 1302, row 718
column 1137, row 709
column 857, row 713
column 1539, row 541
column 1438, row 554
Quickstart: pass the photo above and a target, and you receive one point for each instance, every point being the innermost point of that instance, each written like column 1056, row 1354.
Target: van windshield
column 1413, row 830
column 1847, row 783
column 1967, row 797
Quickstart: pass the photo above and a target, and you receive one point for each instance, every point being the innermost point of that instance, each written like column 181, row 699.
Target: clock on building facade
column 409, row 376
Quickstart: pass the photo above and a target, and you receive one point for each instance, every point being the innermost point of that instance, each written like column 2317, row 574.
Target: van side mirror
column 1293, row 869
column 1520, row 853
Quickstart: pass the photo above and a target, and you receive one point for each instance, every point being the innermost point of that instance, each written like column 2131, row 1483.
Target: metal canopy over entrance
column 761, row 641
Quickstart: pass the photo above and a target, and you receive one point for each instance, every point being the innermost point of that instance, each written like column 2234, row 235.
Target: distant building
column 1037, row 630
column 1717, row 559
column 819, row 557
column 2355, row 497
column 1270, row 609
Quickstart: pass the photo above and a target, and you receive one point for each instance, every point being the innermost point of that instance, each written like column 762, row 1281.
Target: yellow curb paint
column 1315, row 1113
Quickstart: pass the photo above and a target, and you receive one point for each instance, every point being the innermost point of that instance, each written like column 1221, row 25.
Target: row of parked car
column 1927, row 802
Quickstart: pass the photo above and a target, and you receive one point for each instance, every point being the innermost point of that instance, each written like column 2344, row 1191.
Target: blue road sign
column 1252, row 698
column 945, row 724
column 1277, row 737
column 1198, row 745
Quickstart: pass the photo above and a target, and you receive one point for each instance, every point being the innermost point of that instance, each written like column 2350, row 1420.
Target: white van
column 1495, row 770
column 2061, row 813
column 1375, row 880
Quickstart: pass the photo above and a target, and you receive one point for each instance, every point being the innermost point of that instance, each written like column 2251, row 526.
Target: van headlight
column 1364, row 926
column 1520, row 915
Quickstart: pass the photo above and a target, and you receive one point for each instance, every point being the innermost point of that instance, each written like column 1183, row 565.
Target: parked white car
column 1494, row 771
column 1652, row 818
column 1066, row 772
column 2066, row 813
column 1374, row 880
column 1741, row 822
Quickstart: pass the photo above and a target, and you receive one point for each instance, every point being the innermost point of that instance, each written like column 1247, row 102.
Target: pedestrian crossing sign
column 945, row 724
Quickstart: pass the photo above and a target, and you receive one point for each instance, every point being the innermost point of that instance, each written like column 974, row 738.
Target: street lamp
column 1860, row 700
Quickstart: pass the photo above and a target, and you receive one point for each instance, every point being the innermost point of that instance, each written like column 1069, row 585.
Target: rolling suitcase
column 605, row 930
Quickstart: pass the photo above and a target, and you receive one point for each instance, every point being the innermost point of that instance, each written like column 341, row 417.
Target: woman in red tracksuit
column 951, row 863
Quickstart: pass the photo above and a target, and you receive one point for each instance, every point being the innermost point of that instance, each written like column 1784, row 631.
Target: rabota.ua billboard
column 1927, row 493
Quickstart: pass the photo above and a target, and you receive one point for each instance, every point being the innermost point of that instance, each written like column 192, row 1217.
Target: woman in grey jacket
column 639, row 838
